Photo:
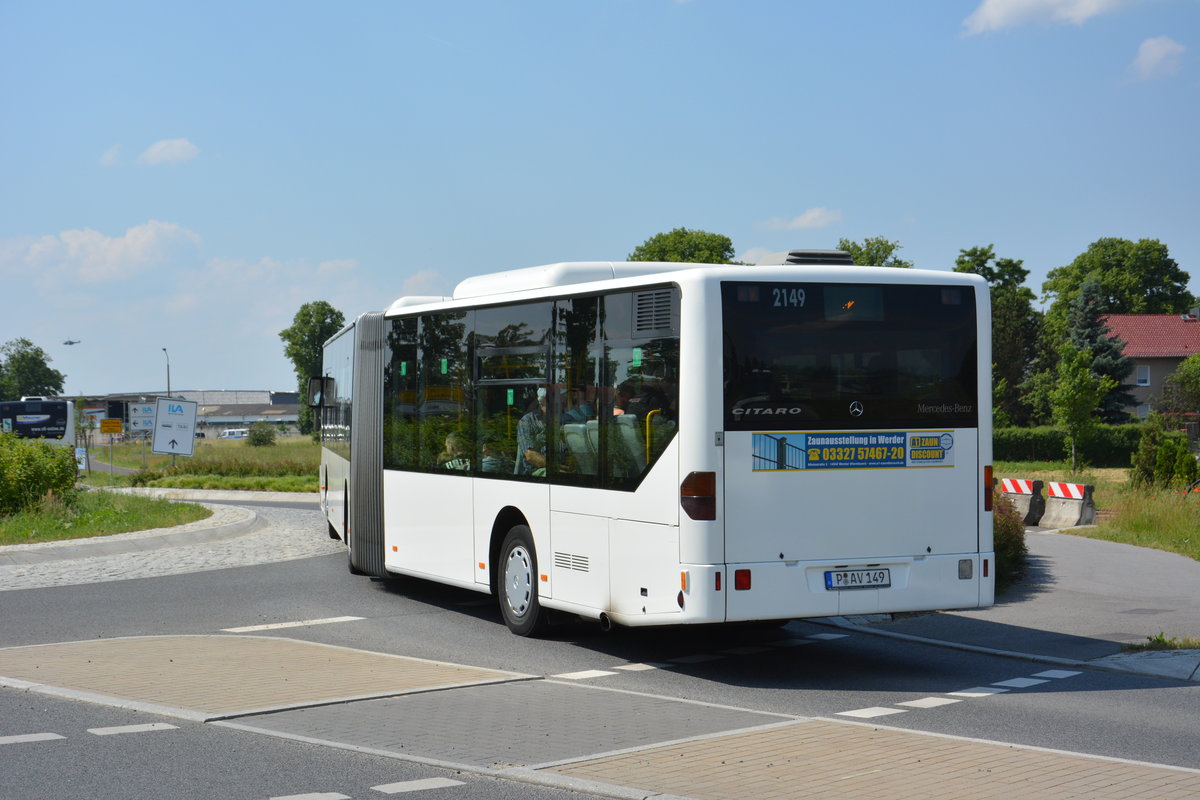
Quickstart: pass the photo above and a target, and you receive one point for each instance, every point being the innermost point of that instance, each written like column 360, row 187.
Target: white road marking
column 153, row 726
column 979, row 691
column 929, row 702
column 1020, row 683
column 828, row 636
column 416, row 786
column 583, row 675
column 279, row 625
column 640, row 667
column 1056, row 673
column 30, row 737
column 869, row 713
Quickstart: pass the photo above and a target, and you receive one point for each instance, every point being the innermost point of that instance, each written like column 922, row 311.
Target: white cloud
column 425, row 283
column 992, row 15
column 168, row 151
column 111, row 156
column 812, row 218
column 89, row 256
column 1158, row 56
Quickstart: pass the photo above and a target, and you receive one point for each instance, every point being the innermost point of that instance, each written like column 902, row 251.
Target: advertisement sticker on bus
column 773, row 452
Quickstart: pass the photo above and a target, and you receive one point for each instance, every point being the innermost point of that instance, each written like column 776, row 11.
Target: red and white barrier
column 1026, row 497
column 1068, row 505
column 1067, row 491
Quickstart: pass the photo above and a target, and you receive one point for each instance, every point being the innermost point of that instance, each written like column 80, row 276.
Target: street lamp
column 168, row 355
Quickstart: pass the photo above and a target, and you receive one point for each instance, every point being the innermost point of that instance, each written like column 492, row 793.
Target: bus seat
column 576, row 436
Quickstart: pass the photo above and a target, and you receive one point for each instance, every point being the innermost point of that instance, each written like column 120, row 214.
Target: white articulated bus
column 657, row 444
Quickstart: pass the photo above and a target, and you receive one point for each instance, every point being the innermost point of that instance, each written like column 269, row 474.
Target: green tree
column 1134, row 278
column 682, row 244
column 1144, row 459
column 1086, row 330
column 313, row 324
column 1076, row 396
column 1181, row 389
column 25, row 370
column 875, row 251
column 1016, row 326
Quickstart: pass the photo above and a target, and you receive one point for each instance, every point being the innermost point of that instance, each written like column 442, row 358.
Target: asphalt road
column 803, row 669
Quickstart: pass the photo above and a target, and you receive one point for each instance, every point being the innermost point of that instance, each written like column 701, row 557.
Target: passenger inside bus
column 455, row 455
column 494, row 459
column 531, row 439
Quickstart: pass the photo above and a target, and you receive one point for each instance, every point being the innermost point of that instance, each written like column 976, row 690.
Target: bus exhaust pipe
column 606, row 623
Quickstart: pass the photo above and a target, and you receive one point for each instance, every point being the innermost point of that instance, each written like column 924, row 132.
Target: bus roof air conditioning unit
column 819, row 257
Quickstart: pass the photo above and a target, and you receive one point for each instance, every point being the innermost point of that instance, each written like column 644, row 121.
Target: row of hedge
column 1108, row 445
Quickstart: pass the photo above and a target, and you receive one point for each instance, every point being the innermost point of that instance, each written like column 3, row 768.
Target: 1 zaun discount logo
column 929, row 448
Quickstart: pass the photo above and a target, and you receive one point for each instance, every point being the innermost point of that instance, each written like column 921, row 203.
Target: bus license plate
column 838, row 579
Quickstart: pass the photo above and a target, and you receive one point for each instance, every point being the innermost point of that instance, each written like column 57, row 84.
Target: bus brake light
column 698, row 495
column 987, row 488
column 741, row 579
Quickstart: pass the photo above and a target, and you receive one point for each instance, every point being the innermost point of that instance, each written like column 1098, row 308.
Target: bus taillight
column 987, row 488
column 698, row 495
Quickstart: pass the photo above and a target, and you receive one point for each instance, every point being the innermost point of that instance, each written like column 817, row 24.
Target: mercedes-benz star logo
column 856, row 409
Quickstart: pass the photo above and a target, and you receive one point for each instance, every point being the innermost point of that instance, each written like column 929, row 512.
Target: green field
column 289, row 465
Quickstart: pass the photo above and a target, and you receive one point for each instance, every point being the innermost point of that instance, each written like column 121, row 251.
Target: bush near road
column 30, row 470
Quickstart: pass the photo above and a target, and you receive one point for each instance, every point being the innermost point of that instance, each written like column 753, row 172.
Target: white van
column 235, row 433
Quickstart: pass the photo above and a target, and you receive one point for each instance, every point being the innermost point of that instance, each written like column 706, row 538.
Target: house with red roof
column 1157, row 343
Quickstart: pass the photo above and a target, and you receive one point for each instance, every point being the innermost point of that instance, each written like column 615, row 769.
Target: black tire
column 517, row 584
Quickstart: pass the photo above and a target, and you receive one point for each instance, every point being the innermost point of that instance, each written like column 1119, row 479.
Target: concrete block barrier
column 1026, row 497
column 1068, row 505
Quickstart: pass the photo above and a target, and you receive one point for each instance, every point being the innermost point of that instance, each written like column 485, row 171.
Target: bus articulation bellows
column 664, row 443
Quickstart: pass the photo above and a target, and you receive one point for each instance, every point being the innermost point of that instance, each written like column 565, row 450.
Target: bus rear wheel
column 518, row 579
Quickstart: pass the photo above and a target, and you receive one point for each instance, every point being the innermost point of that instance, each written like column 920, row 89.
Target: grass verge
column 88, row 514
column 254, row 483
column 1164, row 642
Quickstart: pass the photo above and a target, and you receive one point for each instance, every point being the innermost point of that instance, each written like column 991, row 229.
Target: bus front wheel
column 518, row 591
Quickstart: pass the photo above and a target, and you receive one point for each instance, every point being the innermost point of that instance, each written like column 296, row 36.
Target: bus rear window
column 823, row 356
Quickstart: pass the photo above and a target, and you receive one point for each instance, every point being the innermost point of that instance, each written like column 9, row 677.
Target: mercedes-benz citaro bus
column 671, row 443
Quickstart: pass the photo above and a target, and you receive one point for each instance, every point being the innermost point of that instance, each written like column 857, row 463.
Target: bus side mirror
column 318, row 390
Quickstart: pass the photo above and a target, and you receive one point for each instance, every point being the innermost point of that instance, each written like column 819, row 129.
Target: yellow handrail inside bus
column 649, row 414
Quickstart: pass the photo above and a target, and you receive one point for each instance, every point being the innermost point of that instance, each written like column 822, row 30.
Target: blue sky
column 186, row 175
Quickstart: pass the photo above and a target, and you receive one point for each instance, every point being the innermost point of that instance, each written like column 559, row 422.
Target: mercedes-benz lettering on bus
column 655, row 444
column 39, row 418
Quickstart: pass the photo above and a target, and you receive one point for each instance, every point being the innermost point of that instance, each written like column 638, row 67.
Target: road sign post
column 111, row 427
column 174, row 427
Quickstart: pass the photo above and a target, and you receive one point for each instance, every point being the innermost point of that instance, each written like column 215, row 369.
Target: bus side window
column 444, row 383
column 577, row 354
